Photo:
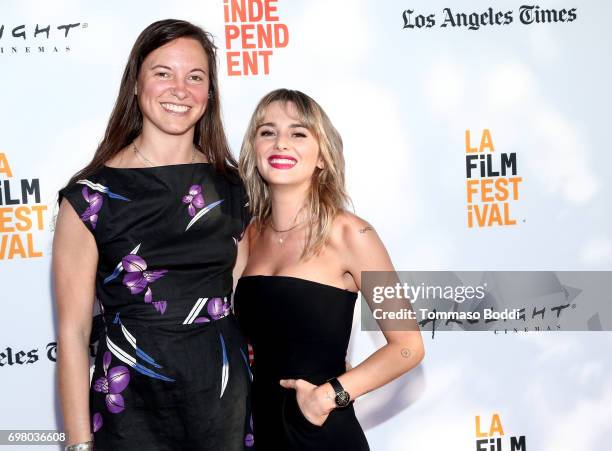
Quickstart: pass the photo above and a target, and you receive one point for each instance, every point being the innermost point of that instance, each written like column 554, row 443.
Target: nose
column 178, row 90
column 281, row 142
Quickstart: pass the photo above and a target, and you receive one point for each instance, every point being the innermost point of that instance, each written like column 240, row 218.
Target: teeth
column 176, row 108
column 282, row 161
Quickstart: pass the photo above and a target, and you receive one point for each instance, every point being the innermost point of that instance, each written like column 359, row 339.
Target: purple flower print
column 218, row 308
column 160, row 306
column 112, row 384
column 249, row 440
column 137, row 278
column 97, row 421
column 194, row 199
column 95, row 201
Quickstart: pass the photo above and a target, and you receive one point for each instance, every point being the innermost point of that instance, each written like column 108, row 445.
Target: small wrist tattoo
column 406, row 353
column 365, row 229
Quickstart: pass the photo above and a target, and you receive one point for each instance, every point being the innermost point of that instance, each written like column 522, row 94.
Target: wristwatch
column 342, row 396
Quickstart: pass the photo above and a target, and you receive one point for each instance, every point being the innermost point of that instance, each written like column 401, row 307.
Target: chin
column 174, row 125
column 177, row 131
column 280, row 182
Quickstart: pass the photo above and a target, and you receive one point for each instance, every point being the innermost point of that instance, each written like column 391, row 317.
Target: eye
column 162, row 75
column 299, row 135
column 196, row 78
column 266, row 132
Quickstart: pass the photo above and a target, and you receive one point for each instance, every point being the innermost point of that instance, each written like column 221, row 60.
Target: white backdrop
column 402, row 99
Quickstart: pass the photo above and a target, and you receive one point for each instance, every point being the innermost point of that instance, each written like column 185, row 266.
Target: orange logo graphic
column 252, row 32
column 18, row 217
column 491, row 439
column 492, row 183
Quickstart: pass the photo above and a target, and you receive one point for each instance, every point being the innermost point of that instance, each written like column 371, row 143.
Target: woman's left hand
column 314, row 401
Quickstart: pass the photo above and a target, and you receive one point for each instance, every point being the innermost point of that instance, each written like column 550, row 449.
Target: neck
column 165, row 149
column 286, row 202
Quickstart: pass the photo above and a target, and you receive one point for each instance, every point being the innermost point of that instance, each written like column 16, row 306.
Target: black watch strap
column 336, row 385
column 342, row 396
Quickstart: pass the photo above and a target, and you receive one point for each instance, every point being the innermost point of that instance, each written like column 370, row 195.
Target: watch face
column 343, row 399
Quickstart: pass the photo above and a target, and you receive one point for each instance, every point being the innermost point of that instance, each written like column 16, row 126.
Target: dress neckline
column 299, row 279
column 145, row 168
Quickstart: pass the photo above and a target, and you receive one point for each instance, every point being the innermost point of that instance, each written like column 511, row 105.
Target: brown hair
column 125, row 122
column 327, row 196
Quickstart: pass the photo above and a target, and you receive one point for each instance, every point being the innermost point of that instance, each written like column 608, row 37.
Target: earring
column 210, row 94
column 135, row 90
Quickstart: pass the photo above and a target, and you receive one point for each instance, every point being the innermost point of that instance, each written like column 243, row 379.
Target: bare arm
column 404, row 349
column 75, row 258
column 363, row 251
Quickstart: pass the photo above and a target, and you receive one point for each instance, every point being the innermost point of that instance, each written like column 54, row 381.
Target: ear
column 320, row 163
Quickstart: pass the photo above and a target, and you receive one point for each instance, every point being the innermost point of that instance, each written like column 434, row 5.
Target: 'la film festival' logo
column 252, row 31
column 20, row 214
column 492, row 183
column 494, row 438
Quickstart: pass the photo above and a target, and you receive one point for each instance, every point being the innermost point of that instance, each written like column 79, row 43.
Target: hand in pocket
column 312, row 402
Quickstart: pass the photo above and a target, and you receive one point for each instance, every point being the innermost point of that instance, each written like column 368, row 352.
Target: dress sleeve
column 245, row 210
column 86, row 202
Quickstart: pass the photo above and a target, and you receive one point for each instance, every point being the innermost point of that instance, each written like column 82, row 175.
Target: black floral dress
column 172, row 370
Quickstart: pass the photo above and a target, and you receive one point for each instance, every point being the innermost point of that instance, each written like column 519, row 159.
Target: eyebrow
column 273, row 124
column 161, row 66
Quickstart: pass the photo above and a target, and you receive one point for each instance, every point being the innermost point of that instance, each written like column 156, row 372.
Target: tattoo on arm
column 406, row 353
column 365, row 229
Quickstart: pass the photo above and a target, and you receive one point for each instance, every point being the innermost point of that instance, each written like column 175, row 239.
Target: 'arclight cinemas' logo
column 495, row 439
column 38, row 38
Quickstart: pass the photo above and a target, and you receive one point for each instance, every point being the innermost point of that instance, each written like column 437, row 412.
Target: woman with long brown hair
column 152, row 229
column 296, row 297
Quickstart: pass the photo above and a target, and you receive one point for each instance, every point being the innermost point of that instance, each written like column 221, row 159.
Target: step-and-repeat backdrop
column 431, row 98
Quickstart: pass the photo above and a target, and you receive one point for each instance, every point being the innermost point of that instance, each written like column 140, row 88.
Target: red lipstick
column 281, row 161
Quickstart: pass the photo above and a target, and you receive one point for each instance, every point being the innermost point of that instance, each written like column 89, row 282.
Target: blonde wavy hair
column 327, row 196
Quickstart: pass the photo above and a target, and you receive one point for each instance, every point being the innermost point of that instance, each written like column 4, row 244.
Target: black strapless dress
column 299, row 329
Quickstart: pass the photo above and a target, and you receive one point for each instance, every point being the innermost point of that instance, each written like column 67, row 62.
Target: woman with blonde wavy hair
column 296, row 297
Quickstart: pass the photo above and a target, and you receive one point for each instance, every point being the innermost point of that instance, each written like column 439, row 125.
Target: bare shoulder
column 353, row 233
column 359, row 246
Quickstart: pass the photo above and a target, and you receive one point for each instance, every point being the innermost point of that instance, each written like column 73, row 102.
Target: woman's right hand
column 313, row 401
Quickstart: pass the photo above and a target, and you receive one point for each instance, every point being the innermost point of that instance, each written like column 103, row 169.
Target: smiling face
column 173, row 86
column 287, row 152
